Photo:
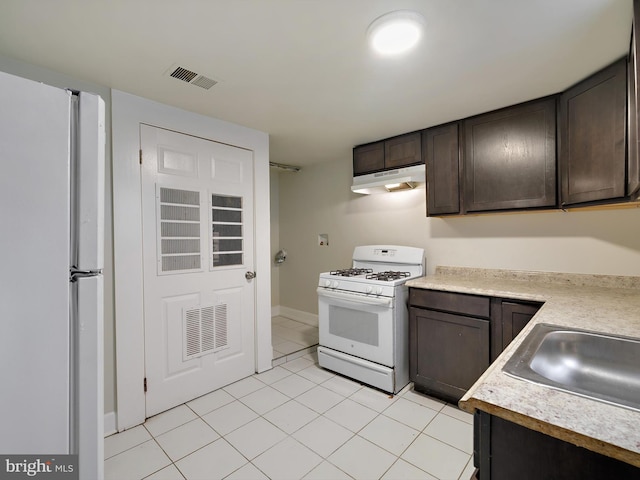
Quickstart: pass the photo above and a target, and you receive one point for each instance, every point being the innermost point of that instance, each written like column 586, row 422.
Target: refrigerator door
column 87, row 302
column 89, row 182
column 34, row 250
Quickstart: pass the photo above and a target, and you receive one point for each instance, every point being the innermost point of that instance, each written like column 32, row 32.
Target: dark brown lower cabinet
column 503, row 450
column 508, row 318
column 448, row 352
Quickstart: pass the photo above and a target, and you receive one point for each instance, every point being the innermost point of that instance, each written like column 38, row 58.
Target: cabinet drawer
column 460, row 303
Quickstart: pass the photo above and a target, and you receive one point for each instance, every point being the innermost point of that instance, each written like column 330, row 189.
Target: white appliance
column 363, row 317
column 52, row 145
column 404, row 178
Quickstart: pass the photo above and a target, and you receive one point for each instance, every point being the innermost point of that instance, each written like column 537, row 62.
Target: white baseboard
column 275, row 310
column 110, row 424
column 298, row 315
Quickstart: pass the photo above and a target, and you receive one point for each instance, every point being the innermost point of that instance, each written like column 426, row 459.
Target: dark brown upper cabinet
column 401, row 151
column 368, row 158
column 440, row 146
column 510, row 158
column 592, row 137
column 633, row 78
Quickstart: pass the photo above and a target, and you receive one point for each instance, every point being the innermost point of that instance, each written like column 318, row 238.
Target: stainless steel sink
column 590, row 364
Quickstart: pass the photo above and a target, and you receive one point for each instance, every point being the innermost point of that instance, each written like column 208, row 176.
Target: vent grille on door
column 226, row 230
column 179, row 232
column 193, row 78
column 205, row 330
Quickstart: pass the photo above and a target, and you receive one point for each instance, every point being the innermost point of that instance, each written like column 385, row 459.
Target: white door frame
column 128, row 112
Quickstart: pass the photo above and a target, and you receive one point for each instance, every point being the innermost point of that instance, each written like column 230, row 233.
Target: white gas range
column 363, row 315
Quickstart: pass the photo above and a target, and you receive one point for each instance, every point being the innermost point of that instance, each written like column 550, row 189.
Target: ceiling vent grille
column 192, row 78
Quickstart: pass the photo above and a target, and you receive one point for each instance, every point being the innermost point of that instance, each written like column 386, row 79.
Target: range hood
column 404, row 178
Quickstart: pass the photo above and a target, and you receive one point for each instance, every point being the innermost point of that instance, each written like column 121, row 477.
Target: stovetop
column 376, row 270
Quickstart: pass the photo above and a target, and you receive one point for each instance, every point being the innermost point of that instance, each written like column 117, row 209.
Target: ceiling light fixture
column 395, row 32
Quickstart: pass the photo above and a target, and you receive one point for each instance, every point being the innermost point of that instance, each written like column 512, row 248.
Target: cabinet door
column 592, row 137
column 403, row 151
column 440, row 146
column 515, row 317
column 368, row 158
column 510, row 157
column 447, row 352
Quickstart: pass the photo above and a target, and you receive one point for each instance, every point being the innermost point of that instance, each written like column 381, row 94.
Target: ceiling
column 300, row 70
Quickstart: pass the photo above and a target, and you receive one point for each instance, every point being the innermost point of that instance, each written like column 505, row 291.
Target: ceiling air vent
column 193, row 78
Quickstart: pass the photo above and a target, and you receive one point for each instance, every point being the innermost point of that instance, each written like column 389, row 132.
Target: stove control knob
column 368, row 290
column 327, row 283
column 379, row 291
column 335, row 284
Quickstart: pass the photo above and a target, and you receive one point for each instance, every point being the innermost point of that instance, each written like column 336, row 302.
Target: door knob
column 250, row 275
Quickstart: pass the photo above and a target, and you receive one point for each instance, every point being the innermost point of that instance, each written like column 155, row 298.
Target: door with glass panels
column 198, row 234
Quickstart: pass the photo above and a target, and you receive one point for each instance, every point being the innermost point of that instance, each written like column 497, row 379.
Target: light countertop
column 602, row 303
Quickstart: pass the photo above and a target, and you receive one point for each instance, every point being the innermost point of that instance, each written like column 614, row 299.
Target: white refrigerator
column 52, row 147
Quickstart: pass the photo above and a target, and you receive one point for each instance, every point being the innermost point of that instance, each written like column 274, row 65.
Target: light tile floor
column 297, row 421
column 289, row 336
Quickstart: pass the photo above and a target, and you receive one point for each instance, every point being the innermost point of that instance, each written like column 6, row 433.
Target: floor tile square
column 186, row 439
column 290, row 416
column 287, row 347
column 424, row 400
column 209, row 402
column 265, row 399
column 412, row 414
column 389, row 434
column 297, row 364
column 319, row 399
column 351, row 415
column 455, row 412
column 323, row 436
column 168, row 420
column 293, row 385
column 226, row 419
column 374, row 399
column 137, row 462
column 248, row 472
column 288, row 459
column 343, row 386
column 362, row 459
column 436, row 458
column 316, row 374
column 244, row 387
column 167, row 473
column 327, row 471
column 273, row 375
column 216, row 460
column 406, row 471
column 452, row 431
column 255, row 437
column 122, row 441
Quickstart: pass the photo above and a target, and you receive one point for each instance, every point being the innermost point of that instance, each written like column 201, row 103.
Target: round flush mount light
column 395, row 32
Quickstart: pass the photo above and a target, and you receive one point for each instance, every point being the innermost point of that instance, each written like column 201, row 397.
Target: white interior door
column 198, row 236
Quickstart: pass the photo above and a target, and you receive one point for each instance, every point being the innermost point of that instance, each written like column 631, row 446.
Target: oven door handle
column 351, row 297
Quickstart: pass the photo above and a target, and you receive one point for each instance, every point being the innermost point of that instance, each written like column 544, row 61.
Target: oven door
column 358, row 325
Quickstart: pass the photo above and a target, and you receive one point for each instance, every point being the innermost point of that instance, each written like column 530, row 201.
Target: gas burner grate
column 351, row 272
column 388, row 276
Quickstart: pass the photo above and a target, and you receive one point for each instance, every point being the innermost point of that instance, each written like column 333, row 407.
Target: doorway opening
column 290, row 336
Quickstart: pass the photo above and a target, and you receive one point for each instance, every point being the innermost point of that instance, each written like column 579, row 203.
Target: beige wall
column 274, row 182
column 318, row 200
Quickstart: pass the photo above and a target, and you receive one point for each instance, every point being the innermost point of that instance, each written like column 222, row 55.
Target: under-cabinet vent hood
column 405, row 178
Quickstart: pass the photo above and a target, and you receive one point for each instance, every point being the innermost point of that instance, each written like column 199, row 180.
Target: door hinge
column 145, row 385
column 140, row 151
